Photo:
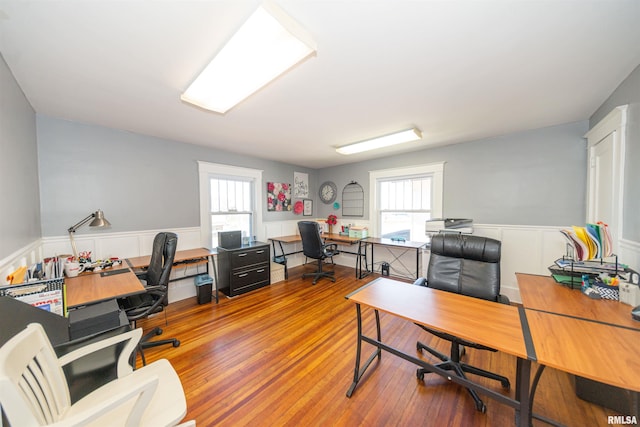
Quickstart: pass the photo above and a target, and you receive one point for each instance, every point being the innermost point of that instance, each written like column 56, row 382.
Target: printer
column 456, row 225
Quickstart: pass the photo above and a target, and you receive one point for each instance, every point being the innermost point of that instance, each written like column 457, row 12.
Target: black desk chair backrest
column 467, row 265
column 162, row 256
column 313, row 246
column 312, row 243
column 156, row 279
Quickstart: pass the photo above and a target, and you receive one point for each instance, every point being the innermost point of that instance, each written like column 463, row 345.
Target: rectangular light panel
column 269, row 43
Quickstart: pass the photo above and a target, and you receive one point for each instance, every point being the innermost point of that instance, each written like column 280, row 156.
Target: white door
column 602, row 170
column 606, row 171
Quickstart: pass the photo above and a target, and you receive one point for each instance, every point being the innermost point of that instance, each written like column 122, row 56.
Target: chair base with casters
column 453, row 363
column 134, row 314
column 320, row 273
column 145, row 342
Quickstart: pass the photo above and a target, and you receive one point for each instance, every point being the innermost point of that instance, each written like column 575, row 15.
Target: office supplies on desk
column 47, row 294
column 17, row 276
column 629, row 294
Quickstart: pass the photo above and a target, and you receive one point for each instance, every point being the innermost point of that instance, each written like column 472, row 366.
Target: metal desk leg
column 215, row 276
column 523, row 379
column 357, row 372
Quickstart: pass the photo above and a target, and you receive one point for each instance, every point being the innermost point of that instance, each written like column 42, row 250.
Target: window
column 228, row 201
column 231, row 206
column 404, row 198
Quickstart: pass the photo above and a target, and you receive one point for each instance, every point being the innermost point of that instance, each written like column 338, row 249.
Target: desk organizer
column 607, row 291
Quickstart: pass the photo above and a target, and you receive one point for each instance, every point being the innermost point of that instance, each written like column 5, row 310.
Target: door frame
column 615, row 124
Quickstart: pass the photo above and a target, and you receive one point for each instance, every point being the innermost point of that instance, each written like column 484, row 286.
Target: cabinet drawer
column 249, row 257
column 256, row 274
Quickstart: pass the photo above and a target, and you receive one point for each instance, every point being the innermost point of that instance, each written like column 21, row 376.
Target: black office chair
column 156, row 278
column 467, row 265
column 314, row 247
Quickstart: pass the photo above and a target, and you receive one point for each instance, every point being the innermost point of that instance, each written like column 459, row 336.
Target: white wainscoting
column 525, row 249
column 104, row 245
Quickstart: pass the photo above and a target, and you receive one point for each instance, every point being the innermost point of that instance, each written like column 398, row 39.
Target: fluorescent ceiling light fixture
column 266, row 46
column 408, row 135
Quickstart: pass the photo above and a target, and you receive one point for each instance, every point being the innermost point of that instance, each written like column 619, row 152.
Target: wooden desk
column 593, row 350
column 105, row 285
column 405, row 245
column 492, row 324
column 295, row 238
column 593, row 339
column 184, row 257
column 333, row 237
column 544, row 294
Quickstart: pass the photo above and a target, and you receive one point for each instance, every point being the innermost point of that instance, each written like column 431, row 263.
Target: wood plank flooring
column 284, row 356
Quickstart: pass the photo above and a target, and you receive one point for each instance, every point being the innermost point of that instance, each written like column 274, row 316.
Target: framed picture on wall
column 308, row 208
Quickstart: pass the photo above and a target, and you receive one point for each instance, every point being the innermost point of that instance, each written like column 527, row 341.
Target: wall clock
column 328, row 192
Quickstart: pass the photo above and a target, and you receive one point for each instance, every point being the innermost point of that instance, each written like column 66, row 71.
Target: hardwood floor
column 284, row 355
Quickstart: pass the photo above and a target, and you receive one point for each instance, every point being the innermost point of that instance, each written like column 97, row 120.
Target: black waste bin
column 204, row 284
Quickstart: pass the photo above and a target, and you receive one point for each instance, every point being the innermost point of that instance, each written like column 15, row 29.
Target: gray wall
column 19, row 192
column 628, row 93
column 536, row 177
column 140, row 182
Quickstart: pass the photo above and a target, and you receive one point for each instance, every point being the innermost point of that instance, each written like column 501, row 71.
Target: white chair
column 34, row 391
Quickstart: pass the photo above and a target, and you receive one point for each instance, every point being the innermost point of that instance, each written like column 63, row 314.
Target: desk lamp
column 98, row 221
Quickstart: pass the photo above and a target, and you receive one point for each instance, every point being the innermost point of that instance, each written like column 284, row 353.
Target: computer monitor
column 229, row 239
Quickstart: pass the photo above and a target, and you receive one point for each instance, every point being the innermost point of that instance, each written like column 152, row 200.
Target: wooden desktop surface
column 484, row 322
column 143, row 261
column 544, row 294
column 600, row 352
column 94, row 287
column 333, row 237
column 390, row 242
column 591, row 338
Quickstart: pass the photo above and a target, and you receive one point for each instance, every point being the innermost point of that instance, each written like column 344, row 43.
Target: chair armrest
column 144, row 390
column 123, row 367
column 332, row 246
column 421, row 281
column 503, row 299
column 330, row 249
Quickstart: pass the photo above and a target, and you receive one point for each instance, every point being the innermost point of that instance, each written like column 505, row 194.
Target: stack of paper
column 590, row 242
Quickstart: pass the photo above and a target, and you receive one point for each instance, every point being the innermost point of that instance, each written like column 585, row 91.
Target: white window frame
column 206, row 171
column 435, row 170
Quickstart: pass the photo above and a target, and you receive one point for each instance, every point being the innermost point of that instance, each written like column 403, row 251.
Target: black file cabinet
column 244, row 269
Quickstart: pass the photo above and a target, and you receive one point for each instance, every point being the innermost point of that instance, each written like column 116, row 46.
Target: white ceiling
column 458, row 70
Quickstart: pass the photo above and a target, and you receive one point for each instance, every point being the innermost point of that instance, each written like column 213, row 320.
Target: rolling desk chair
column 314, row 247
column 467, row 265
column 157, row 286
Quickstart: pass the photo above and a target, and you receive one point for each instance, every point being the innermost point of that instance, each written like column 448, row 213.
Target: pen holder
column 607, row 291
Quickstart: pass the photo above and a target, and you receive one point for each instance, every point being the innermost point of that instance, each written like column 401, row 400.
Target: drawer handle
column 260, row 251
column 243, row 275
column 243, row 254
column 260, row 271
